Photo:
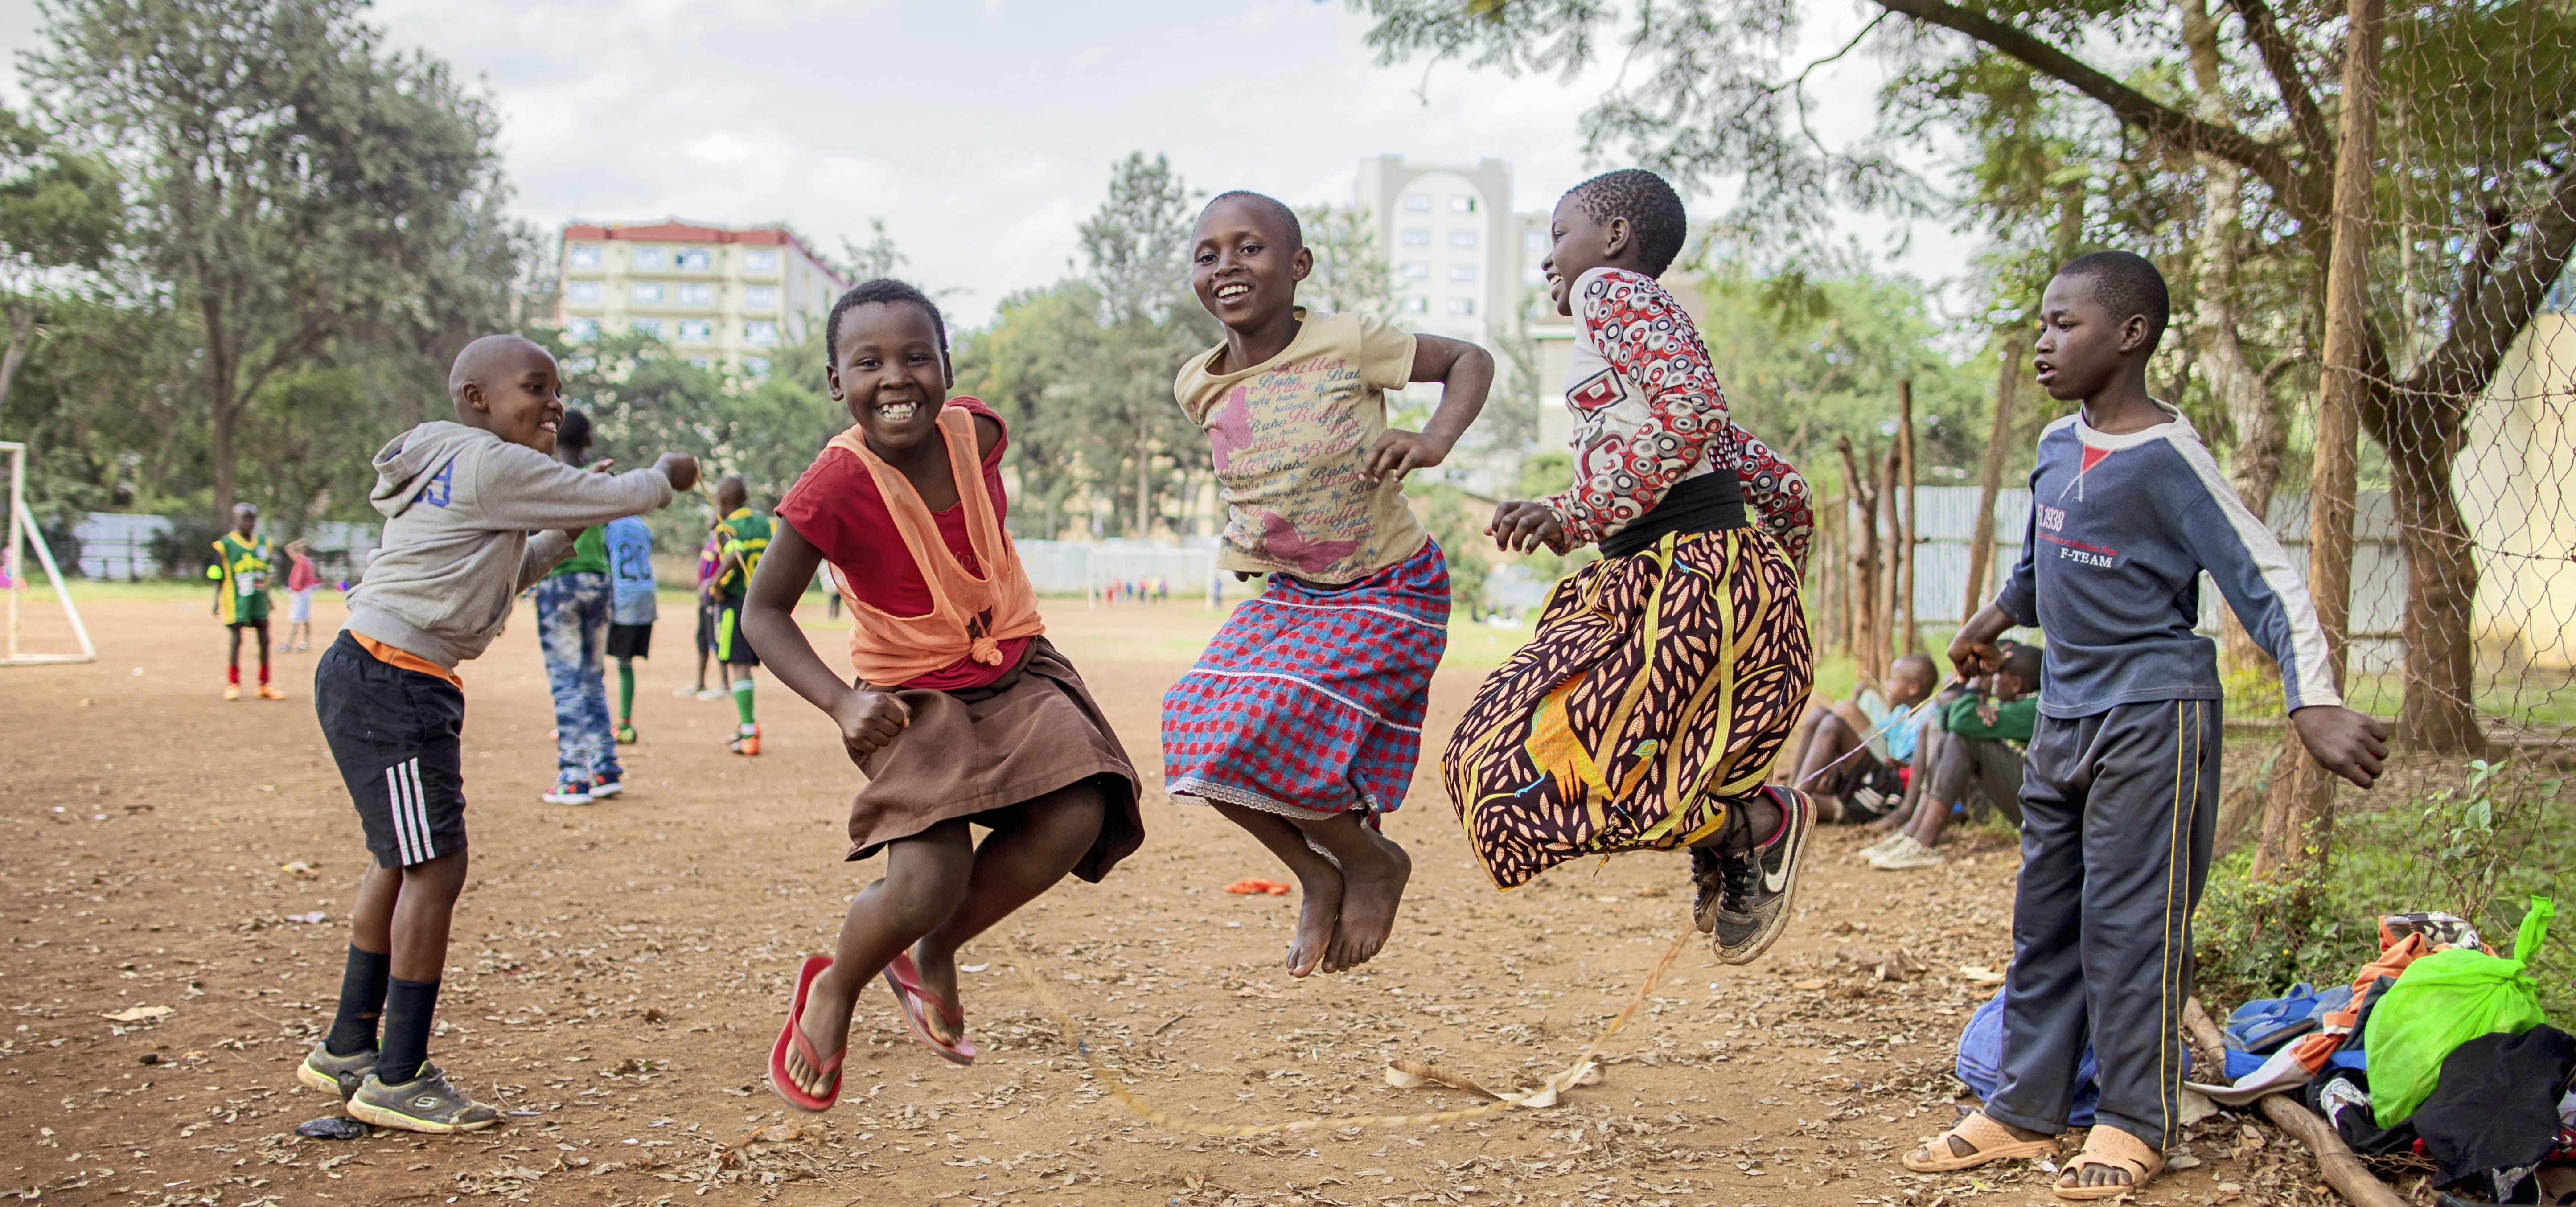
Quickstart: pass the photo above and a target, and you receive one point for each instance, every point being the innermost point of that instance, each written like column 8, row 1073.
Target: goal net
column 22, row 537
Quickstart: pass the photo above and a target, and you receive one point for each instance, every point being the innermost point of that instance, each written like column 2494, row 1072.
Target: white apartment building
column 1463, row 261
column 714, row 294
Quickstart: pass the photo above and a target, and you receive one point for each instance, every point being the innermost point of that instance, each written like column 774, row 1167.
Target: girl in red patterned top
column 1663, row 679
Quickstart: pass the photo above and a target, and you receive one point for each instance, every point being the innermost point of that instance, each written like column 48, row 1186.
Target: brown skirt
column 972, row 752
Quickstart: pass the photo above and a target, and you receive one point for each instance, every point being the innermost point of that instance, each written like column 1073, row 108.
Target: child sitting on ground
column 1972, row 744
column 1855, row 757
column 1302, row 721
column 1662, row 680
column 2119, row 790
column 459, row 501
column 962, row 714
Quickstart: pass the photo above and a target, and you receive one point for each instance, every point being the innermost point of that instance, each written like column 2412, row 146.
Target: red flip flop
column 794, row 1034
column 913, row 997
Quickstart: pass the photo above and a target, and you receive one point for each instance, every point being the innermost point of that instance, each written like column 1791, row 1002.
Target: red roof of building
column 678, row 232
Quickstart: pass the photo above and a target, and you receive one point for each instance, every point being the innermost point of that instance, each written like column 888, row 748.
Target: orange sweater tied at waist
column 969, row 617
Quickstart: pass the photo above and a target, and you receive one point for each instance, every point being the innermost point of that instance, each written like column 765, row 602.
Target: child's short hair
column 1279, row 210
column 1652, row 208
column 886, row 290
column 2022, row 662
column 2126, row 283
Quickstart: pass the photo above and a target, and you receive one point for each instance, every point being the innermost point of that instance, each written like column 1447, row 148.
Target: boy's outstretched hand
column 1521, row 527
column 868, row 721
column 1399, row 452
column 2345, row 742
column 680, row 468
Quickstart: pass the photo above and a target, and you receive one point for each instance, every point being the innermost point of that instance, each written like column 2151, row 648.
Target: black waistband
column 1708, row 503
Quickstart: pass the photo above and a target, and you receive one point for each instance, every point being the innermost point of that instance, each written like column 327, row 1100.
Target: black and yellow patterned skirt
column 1658, row 688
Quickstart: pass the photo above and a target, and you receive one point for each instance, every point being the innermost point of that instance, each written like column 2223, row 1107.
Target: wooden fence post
column 1990, row 482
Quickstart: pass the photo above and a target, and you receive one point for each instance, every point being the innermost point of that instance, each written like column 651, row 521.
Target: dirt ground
column 620, row 970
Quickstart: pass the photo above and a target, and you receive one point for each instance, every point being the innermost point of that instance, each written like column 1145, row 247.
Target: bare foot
column 939, row 976
column 1373, row 885
column 826, row 1025
column 1319, row 913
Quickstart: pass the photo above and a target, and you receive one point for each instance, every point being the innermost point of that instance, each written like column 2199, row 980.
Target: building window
column 1417, row 270
column 581, row 331
column 1464, row 203
column 1462, row 238
column 584, row 255
column 582, row 293
column 1534, row 242
column 1417, row 305
column 757, row 366
column 651, row 327
column 697, row 331
column 760, row 261
column 646, row 259
column 645, row 293
column 760, row 297
column 762, row 333
column 1418, row 203
column 690, row 259
column 1417, row 236
column 1462, row 272
column 697, row 295
column 1462, row 305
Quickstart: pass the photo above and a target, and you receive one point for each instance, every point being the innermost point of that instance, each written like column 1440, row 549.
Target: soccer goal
column 13, row 562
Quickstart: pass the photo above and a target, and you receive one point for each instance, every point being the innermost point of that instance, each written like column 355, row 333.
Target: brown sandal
column 2116, row 1149
column 1990, row 1141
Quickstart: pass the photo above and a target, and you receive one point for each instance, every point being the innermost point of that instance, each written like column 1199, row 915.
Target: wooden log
column 1909, row 635
column 2343, row 1169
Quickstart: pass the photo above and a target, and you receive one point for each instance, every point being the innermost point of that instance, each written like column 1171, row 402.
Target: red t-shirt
column 836, row 507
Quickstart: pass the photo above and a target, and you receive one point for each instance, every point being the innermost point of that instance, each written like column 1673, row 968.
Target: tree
column 1135, row 256
column 303, row 195
column 1026, row 366
column 58, row 210
column 1350, row 277
column 2477, row 106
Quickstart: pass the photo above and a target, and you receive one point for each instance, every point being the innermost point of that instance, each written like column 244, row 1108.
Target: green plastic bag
column 2442, row 1001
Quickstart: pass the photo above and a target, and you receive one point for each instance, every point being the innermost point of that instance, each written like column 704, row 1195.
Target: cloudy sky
column 982, row 131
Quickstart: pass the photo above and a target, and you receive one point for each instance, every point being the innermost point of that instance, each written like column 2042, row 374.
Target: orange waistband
column 405, row 659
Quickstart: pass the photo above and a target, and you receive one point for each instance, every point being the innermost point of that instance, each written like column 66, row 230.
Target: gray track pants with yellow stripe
column 2117, row 813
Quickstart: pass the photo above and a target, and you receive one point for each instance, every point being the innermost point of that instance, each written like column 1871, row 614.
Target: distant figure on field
column 301, row 578
column 630, row 622
column 240, row 574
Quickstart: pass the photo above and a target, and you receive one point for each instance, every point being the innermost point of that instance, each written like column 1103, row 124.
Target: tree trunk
column 1909, row 637
column 22, row 327
column 1882, row 647
column 1144, row 482
column 1864, row 596
column 2298, row 821
column 1990, row 481
column 2440, row 707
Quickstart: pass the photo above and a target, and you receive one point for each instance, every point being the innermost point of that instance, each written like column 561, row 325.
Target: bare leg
column 1319, row 883
column 1374, row 871
column 926, row 878
column 1825, row 762
column 1783, row 769
column 1020, row 859
column 424, row 909
column 1929, row 820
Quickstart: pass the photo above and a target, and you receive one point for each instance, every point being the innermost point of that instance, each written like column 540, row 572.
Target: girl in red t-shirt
column 962, row 713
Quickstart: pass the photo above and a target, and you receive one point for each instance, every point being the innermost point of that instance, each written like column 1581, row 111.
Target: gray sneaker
column 341, row 1075
column 426, row 1103
column 1756, row 888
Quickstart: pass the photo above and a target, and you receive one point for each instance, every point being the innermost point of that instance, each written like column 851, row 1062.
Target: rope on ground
column 1548, row 1088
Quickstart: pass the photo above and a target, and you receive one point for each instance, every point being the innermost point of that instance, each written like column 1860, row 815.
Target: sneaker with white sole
column 1907, row 856
column 569, row 792
column 606, row 786
column 426, row 1103
column 1757, row 888
column 1882, row 846
column 333, row 1074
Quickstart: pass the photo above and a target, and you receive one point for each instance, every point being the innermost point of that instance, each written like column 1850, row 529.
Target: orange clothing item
column 969, row 616
column 405, row 659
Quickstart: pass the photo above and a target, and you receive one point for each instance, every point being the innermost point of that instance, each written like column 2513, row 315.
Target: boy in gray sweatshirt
column 460, row 501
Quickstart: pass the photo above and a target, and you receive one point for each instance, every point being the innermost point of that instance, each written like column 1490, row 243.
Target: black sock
column 362, row 1000
column 408, row 1007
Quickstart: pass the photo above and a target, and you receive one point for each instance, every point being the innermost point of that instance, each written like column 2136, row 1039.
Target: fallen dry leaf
column 140, row 1014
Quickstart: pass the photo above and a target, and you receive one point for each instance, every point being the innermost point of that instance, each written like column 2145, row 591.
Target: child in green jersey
column 240, row 574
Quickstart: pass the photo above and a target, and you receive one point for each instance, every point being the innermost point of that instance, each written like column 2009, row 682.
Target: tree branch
column 2281, row 60
column 2304, row 198
column 2468, row 355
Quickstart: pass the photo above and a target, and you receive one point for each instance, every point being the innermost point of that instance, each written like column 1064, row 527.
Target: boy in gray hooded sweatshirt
column 460, row 501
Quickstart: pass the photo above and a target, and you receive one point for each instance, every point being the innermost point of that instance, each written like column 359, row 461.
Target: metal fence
column 123, row 547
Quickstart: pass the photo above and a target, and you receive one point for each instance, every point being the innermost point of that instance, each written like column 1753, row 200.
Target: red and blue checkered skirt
column 1310, row 700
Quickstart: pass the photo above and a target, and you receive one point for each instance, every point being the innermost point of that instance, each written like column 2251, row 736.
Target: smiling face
column 2082, row 345
column 891, row 374
column 509, row 387
column 1241, row 266
column 1579, row 243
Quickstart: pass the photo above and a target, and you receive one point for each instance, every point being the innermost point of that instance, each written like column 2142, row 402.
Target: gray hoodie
column 459, row 505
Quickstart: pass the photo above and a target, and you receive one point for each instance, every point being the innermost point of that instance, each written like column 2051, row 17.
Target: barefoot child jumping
column 1302, row 721
column 962, row 714
column 1663, row 680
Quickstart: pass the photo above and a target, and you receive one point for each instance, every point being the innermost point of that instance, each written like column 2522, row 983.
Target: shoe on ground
column 746, row 742
column 1756, row 888
column 267, row 692
column 341, row 1075
column 426, row 1103
column 302, row 646
column 687, row 692
column 1906, row 856
column 232, row 691
column 712, row 693
column 605, row 786
column 1883, row 845
column 569, row 792
column 625, row 734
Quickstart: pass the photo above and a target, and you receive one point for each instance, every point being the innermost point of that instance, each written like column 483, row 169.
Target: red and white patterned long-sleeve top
column 1648, row 415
